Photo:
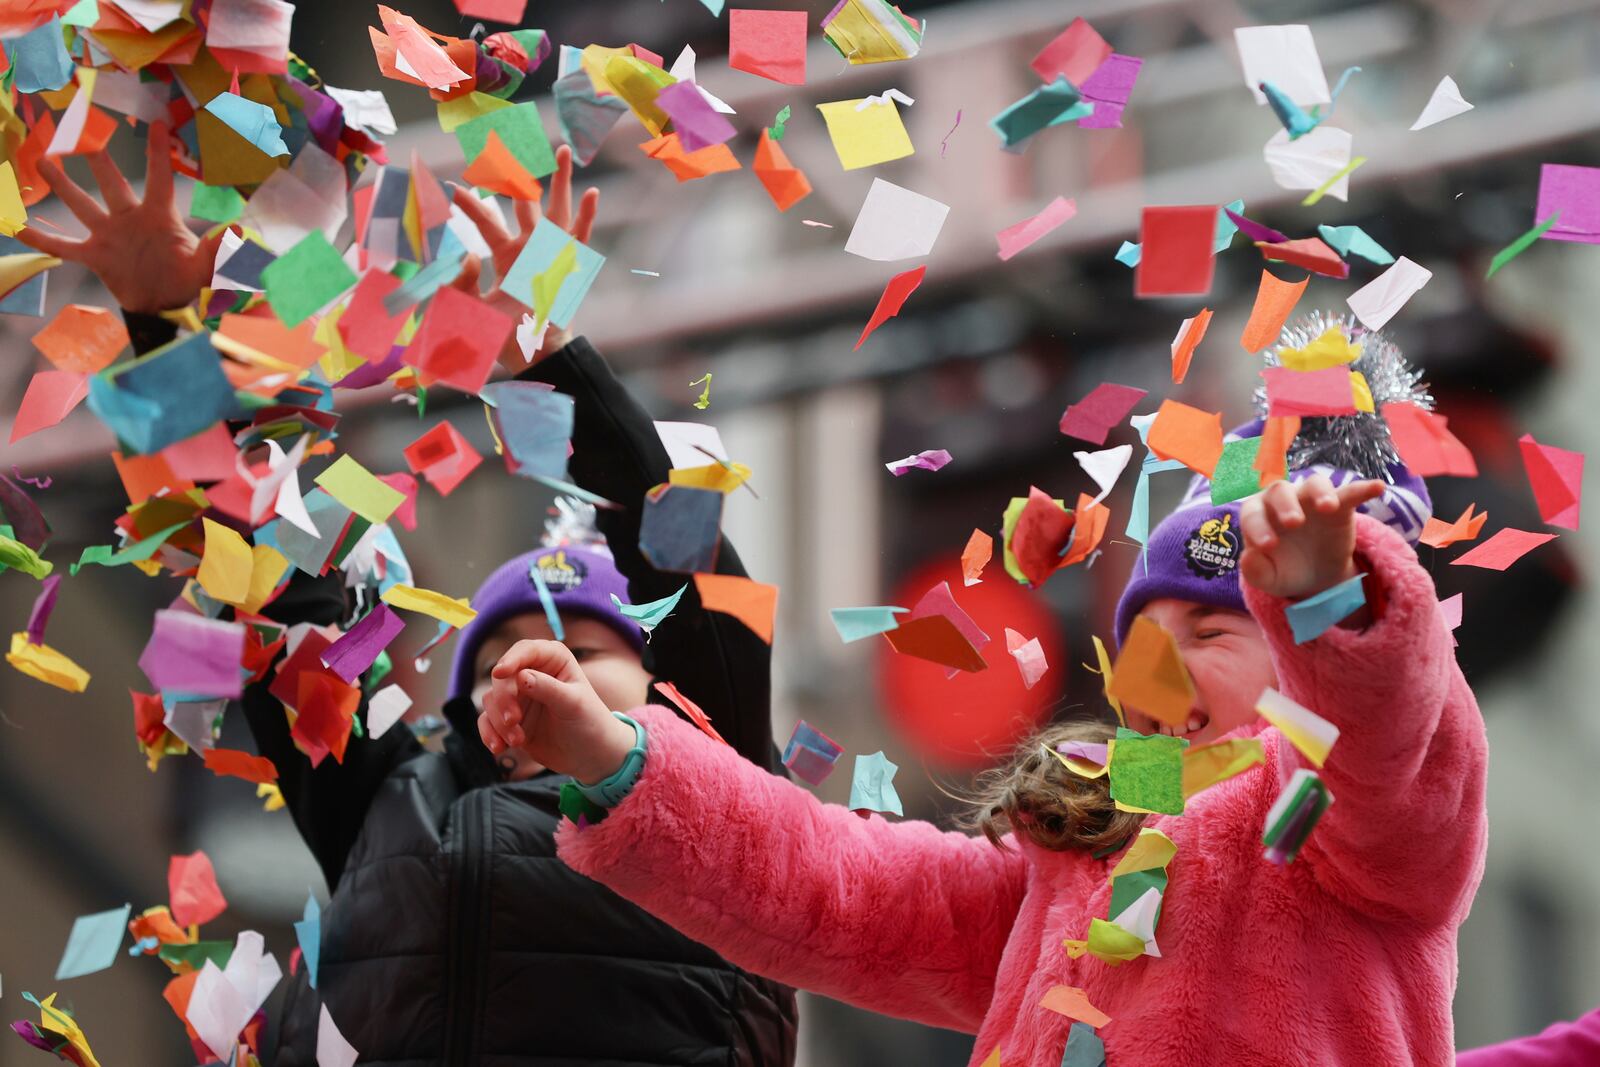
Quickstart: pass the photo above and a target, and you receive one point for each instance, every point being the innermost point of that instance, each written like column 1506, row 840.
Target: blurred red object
column 972, row 720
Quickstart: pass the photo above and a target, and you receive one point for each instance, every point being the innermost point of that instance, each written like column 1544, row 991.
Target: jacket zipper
column 465, row 953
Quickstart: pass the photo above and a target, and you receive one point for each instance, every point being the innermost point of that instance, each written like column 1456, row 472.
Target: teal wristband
column 610, row 792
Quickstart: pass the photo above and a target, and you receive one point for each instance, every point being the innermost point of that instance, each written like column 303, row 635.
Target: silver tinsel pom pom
column 1359, row 442
column 572, row 524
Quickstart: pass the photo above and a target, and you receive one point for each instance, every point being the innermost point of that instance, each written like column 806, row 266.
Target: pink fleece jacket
column 1574, row 1044
column 1345, row 957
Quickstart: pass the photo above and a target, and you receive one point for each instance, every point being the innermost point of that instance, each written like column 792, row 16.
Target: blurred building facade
column 981, row 362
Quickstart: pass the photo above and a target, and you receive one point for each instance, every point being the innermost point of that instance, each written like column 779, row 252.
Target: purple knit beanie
column 1193, row 554
column 581, row 580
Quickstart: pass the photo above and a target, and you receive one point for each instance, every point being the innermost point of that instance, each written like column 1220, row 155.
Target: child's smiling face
column 1227, row 657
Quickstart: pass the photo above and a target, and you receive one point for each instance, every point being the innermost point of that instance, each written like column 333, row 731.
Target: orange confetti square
column 752, row 603
column 1188, row 435
column 1149, row 675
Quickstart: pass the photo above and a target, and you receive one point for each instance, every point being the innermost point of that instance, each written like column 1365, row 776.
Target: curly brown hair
column 1032, row 794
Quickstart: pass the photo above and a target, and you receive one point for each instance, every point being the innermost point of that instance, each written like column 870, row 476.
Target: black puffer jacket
column 454, row 934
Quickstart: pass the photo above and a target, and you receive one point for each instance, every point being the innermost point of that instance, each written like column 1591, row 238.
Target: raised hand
column 505, row 247
column 142, row 250
column 541, row 702
column 1300, row 538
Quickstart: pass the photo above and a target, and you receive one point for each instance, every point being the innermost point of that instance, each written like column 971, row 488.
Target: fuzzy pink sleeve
column 1405, row 835
column 1562, row 1045
column 899, row 918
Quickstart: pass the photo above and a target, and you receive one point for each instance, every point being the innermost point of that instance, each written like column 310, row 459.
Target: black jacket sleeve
column 713, row 658
column 329, row 802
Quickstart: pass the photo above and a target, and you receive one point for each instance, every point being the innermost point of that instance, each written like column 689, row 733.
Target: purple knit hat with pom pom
column 1193, row 554
column 581, row 580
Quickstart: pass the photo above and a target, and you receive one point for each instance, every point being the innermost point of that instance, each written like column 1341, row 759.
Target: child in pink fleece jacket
column 1344, row 957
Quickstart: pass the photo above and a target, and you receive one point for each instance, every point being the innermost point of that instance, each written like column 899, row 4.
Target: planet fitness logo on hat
column 561, row 573
column 1212, row 550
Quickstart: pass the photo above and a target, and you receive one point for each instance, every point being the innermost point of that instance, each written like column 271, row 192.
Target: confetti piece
column 931, row 460
column 811, row 754
column 753, row 603
column 227, row 763
column 1306, row 162
column 192, row 890
column 1316, row 615
column 783, row 181
column 359, row 489
column 1109, row 89
column 1014, row 239
column 50, row 397
column 865, row 133
column 1188, row 435
column 895, row 295
column 976, row 556
column 1308, row 252
column 872, row 785
column 1309, row 732
column 1331, row 348
column 1556, row 476
column 854, row 624
column 1207, row 765
column 1029, row 654
column 1502, row 550
column 695, row 713
column 1520, row 245
column 937, row 639
column 45, row 664
column 1146, row 774
column 1425, row 442
column 1287, row 57
column 1074, row 1003
column 1445, row 103
column 1324, row 392
column 1187, row 340
column 1149, row 675
column 944, row 145
column 895, row 223
column 703, row 401
column 226, row 566
column 1573, row 192
column 1294, row 814
column 1380, row 299
column 1353, row 240
column 1075, row 54
column 768, row 44
column 1440, row 534
column 1096, row 415
column 1322, row 190
column 456, row 613
column 1175, row 251
column 1275, row 299
column 93, row 943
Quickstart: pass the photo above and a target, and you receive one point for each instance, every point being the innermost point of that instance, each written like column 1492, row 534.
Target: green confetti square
column 305, row 278
column 216, row 203
column 520, row 127
column 1236, row 476
column 1147, row 771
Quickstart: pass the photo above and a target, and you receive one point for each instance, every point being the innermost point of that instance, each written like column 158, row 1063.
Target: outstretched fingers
column 560, row 201
column 51, row 245
column 588, row 207
column 85, row 207
column 114, row 186
column 158, row 165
